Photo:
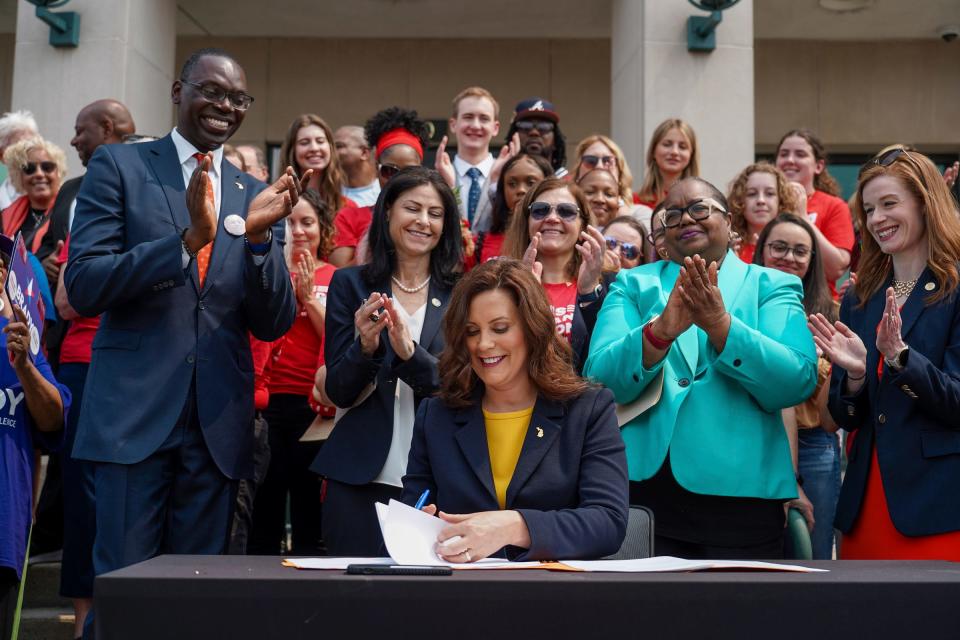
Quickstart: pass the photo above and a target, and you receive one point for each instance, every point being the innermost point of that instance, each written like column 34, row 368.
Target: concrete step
column 43, row 587
column 46, row 623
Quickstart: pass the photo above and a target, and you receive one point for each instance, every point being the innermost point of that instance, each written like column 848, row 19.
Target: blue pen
column 422, row 500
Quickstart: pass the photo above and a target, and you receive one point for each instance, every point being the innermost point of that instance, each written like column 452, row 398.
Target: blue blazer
column 911, row 416
column 161, row 335
column 570, row 484
column 358, row 446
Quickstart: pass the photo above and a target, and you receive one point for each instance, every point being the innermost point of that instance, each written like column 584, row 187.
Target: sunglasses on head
column 888, row 158
column 566, row 211
column 387, row 171
column 46, row 166
column 543, row 126
column 627, row 250
column 592, row 161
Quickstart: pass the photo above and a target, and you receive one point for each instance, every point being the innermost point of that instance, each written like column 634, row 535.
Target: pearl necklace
column 902, row 288
column 410, row 289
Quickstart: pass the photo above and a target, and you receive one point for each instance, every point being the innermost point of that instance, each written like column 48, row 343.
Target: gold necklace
column 902, row 288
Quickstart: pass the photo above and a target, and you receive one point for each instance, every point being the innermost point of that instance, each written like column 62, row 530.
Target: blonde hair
column 16, row 156
column 653, row 181
column 919, row 175
column 625, row 181
column 476, row 92
column 787, row 200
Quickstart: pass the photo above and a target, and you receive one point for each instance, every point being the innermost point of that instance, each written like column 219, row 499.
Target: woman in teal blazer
column 728, row 345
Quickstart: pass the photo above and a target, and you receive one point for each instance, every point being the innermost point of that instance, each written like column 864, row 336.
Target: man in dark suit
column 174, row 246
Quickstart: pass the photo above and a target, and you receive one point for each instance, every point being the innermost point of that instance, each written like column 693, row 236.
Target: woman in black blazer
column 896, row 375
column 382, row 344
column 521, row 456
column 553, row 232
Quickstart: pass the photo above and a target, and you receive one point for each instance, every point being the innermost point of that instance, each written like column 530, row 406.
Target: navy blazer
column 570, row 483
column 162, row 336
column 358, row 446
column 911, row 415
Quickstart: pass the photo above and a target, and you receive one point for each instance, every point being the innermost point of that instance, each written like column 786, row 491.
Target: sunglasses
column 215, row 95
column 698, row 210
column 592, row 161
column 543, row 126
column 888, row 158
column 627, row 250
column 566, row 211
column 780, row 250
column 387, row 171
column 46, row 166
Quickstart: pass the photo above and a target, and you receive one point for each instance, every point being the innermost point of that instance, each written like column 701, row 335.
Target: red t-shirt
column 261, row 352
column 747, row 252
column 492, row 247
column 297, row 355
column 351, row 223
column 77, row 346
column 831, row 215
column 563, row 303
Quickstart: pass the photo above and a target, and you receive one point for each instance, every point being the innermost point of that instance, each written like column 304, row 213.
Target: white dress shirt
column 464, row 181
column 188, row 164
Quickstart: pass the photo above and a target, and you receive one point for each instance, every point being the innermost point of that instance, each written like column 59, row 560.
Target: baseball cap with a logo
column 535, row 108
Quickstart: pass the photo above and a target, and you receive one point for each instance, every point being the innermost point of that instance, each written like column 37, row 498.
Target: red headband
column 398, row 136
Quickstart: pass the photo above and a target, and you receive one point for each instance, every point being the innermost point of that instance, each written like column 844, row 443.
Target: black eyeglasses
column 215, row 95
column 627, row 250
column 31, row 167
column 566, row 211
column 698, row 210
column 543, row 126
column 592, row 161
column 656, row 235
column 779, row 250
column 387, row 171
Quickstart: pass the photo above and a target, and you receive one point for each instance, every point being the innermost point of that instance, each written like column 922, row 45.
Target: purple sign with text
column 23, row 290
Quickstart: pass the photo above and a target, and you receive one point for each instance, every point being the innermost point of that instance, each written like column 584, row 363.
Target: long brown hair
column 823, row 181
column 518, row 232
column 549, row 357
column 737, row 198
column 653, row 181
column 919, row 175
column 324, row 222
column 332, row 180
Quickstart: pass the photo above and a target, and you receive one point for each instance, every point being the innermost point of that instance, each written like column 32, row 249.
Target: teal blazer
column 719, row 413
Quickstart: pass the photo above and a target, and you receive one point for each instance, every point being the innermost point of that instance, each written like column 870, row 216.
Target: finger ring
column 467, row 554
column 374, row 317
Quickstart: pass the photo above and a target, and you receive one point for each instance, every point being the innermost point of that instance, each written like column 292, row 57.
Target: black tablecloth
column 239, row 597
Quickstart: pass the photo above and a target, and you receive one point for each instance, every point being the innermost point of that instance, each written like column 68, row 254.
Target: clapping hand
column 274, row 203
column 370, row 319
column 530, row 256
column 889, row 341
column 306, row 266
column 839, row 344
column 444, row 165
column 591, row 251
column 507, row 151
column 397, row 331
column 700, row 293
column 203, row 212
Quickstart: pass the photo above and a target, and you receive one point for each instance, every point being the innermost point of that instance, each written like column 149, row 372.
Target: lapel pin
column 930, row 286
column 239, row 185
column 539, row 432
column 235, row 225
column 435, row 302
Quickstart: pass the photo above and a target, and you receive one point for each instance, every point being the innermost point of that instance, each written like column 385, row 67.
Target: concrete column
column 127, row 50
column 654, row 77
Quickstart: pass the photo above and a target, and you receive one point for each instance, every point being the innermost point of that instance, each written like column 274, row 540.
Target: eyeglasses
column 543, row 126
column 592, row 161
column 566, row 211
column 698, row 210
column 779, row 250
column 627, row 250
column 387, row 171
column 656, row 235
column 31, row 167
column 215, row 95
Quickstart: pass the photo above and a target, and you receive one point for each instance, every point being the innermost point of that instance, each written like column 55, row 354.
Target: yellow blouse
column 505, row 434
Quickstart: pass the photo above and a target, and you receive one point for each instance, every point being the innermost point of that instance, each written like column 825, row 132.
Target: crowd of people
column 533, row 346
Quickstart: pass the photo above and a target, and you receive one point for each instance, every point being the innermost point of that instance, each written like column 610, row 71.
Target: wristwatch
column 587, row 298
column 899, row 361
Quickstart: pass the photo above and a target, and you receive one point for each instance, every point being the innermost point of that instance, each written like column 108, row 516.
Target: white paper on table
column 334, row 563
column 669, row 563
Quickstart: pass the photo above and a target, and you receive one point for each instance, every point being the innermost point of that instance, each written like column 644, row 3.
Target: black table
column 239, row 597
